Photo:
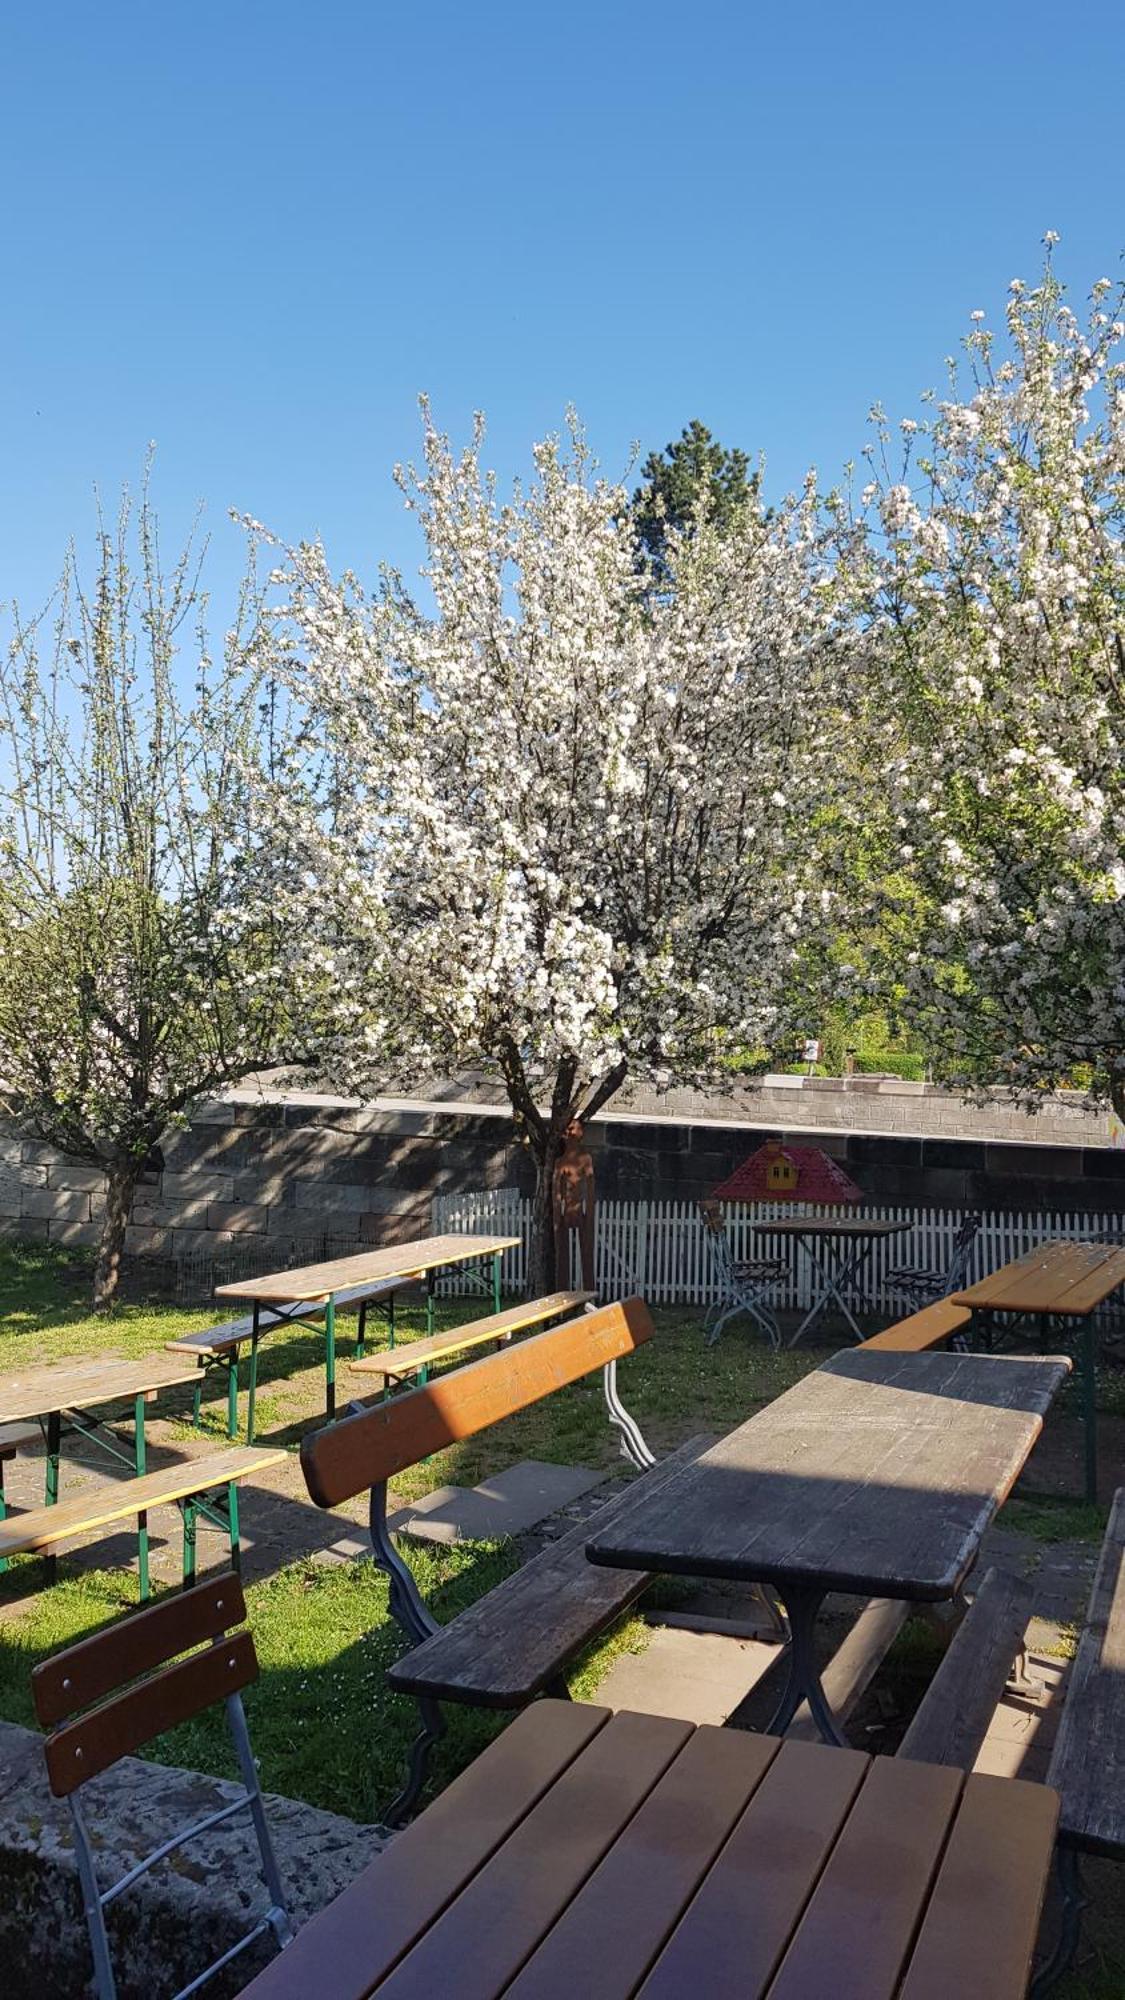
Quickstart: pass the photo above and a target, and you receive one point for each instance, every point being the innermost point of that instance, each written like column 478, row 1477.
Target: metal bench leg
column 197, row 1397
column 406, row 1605
column 1073, row 1901
column 233, row 1530
column 803, row 1683
column 51, row 1479
column 104, row 1982
column 3, row 1514
column 142, row 1519
column 277, row 1916
column 429, row 1301
column 361, row 1331
column 633, row 1446
column 230, row 1363
column 431, row 1732
column 253, row 1392
column 330, row 1358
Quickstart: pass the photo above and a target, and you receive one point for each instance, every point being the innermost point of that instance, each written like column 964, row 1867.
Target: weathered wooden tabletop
column 603, row 1856
column 401, row 1260
column 851, row 1228
column 878, row 1473
column 81, row 1385
column 1070, row 1279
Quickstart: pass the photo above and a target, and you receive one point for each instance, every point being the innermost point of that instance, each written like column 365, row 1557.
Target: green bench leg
column 361, row 1332
column 330, row 1358
column 197, row 1397
column 429, row 1301
column 51, row 1480
column 190, row 1511
column 391, row 1320
column 232, row 1517
column 253, row 1394
column 142, row 1519
column 3, row 1514
column 496, row 1281
column 230, row 1363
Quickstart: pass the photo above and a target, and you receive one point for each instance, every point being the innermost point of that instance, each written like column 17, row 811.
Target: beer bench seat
column 220, row 1346
column 932, row 1327
column 12, row 1437
column 514, row 1642
column 414, row 1357
column 952, row 1719
column 39, row 1530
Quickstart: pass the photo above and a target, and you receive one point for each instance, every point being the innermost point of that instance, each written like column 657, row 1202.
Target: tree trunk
column 541, row 1251
column 120, row 1186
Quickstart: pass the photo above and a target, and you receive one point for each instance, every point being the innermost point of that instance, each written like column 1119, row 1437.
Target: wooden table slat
column 78, row 1385
column 853, row 1944
column 979, row 1931
column 606, row 1941
column 851, row 1226
column 484, row 1939
column 1070, row 1279
column 878, row 1473
column 736, row 1929
column 350, row 1946
column 400, row 1260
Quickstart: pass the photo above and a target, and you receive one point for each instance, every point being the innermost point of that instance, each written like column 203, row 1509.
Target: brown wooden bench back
column 350, row 1457
column 141, row 1644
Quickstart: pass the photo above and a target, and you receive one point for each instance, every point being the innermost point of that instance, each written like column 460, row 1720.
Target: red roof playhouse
column 787, row 1173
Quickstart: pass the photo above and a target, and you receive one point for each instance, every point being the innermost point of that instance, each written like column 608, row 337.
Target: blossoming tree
column 136, row 974
column 996, row 588
column 557, row 820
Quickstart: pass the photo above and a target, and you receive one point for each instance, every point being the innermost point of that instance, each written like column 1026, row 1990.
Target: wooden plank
column 345, row 1951
column 42, row 1527
column 877, row 1474
column 854, row 1665
column 1058, row 1277
column 851, row 1227
column 402, row 1260
column 78, row 1385
column 348, row 1457
column 1088, row 1761
column 605, row 1942
column 135, row 1645
column 14, row 1436
column 410, row 1355
column 738, row 1925
column 953, row 1717
column 855, row 1935
column 483, row 1940
column 979, row 1932
column 502, row 1650
column 79, row 1750
column 931, row 1327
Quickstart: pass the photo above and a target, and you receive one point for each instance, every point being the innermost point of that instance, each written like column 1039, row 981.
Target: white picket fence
column 660, row 1248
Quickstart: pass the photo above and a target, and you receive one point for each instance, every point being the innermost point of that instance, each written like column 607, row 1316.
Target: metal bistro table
column 1062, row 1281
column 589, row 1856
column 62, row 1397
column 320, row 1284
column 878, row 1475
column 851, row 1237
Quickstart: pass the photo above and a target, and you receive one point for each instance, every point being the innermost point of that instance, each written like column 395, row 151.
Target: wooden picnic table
column 71, row 1390
column 606, row 1856
column 1063, row 1281
column 322, row 1283
column 851, row 1237
column 878, row 1474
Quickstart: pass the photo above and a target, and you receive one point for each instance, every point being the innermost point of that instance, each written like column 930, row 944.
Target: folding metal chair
column 743, row 1286
column 920, row 1286
column 107, row 1696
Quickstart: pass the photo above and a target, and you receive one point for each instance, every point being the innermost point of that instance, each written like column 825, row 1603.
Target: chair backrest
column 962, row 1249
column 129, row 1664
column 362, row 1450
column 718, row 1242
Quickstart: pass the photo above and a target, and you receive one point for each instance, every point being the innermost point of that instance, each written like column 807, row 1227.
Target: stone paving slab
column 510, row 1503
column 694, row 1676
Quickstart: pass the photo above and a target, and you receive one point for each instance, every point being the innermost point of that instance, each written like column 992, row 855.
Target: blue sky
column 253, row 233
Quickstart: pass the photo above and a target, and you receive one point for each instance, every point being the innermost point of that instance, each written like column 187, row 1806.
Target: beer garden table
column 849, row 1239
column 62, row 1396
column 589, row 1856
column 290, row 1294
column 1065, row 1282
column 878, row 1474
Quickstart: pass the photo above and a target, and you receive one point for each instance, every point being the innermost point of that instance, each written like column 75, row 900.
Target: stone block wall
column 277, row 1174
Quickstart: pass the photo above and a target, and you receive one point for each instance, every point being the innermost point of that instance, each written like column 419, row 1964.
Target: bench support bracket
column 633, row 1446
column 1073, row 1900
column 405, row 1603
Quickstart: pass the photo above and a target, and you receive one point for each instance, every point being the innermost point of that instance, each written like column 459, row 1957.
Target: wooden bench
column 932, row 1327
column 12, row 1436
column 515, row 1642
column 39, row 1530
column 414, row 1357
column 1087, row 1766
column 953, row 1717
column 220, row 1346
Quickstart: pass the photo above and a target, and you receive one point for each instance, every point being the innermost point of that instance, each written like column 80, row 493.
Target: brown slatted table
column 878, row 1474
column 1061, row 1281
column 602, row 1856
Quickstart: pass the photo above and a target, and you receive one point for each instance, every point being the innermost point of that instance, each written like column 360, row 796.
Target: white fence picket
column 660, row 1249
